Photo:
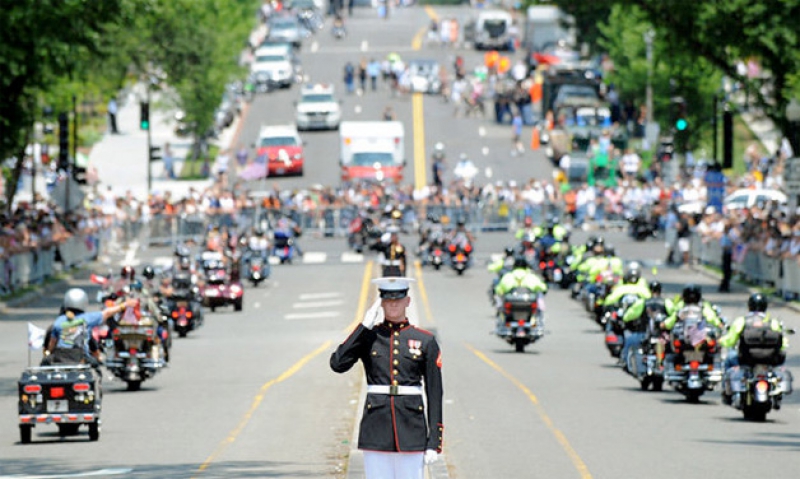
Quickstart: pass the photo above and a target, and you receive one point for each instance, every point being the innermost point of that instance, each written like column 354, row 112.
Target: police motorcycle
column 435, row 252
column 694, row 366
column 604, row 281
column 520, row 322
column 254, row 258
column 360, row 232
column 135, row 351
column 283, row 244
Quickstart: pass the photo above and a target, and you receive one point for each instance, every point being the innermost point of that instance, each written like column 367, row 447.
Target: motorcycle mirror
column 790, row 331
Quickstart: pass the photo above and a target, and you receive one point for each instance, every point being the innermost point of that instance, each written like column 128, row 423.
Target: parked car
column 286, row 28
column 274, row 65
column 281, row 148
column 318, row 108
column 737, row 200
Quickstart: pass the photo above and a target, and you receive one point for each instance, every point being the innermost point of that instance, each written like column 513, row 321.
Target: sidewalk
column 121, row 160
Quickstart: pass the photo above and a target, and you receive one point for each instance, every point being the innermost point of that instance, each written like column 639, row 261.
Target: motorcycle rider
column 127, row 275
column 149, row 275
column 638, row 315
column 71, row 331
column 520, row 276
column 460, row 236
column 429, row 235
column 608, row 262
column 286, row 227
column 145, row 312
column 528, row 227
column 630, row 287
column 504, row 264
column 691, row 302
column 756, row 332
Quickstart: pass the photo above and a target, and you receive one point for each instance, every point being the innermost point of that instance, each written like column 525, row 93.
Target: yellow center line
column 257, row 402
column 362, row 298
column 423, row 294
column 562, row 440
column 431, row 13
column 420, row 168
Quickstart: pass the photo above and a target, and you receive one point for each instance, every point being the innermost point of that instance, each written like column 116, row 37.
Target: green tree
column 41, row 41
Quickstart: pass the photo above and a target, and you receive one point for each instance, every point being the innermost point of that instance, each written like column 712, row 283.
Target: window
column 370, row 158
column 278, row 141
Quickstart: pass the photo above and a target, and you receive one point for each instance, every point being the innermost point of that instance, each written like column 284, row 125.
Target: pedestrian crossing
column 323, row 305
column 309, row 257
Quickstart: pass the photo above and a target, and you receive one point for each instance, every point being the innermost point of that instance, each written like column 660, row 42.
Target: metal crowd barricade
column 790, row 282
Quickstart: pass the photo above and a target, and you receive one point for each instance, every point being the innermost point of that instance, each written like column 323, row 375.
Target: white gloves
column 431, row 456
column 374, row 315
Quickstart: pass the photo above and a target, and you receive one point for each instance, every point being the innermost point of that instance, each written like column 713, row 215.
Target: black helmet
column 610, row 251
column 692, row 294
column 128, row 273
column 181, row 250
column 655, row 287
column 148, row 272
column 184, row 263
column 757, row 303
column 521, row 262
column 632, row 276
column 509, row 251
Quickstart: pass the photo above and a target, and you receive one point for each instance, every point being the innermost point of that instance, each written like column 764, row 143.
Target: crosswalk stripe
column 317, row 304
column 350, row 257
column 319, row 295
column 314, row 257
column 321, row 314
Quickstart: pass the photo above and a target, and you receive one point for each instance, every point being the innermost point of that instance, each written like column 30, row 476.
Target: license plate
column 182, row 304
column 57, row 405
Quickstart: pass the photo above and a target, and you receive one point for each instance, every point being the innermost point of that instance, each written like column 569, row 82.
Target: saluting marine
column 397, row 357
column 394, row 254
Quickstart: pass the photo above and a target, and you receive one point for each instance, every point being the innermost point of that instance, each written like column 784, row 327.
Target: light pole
column 791, row 167
column 649, row 35
column 793, row 117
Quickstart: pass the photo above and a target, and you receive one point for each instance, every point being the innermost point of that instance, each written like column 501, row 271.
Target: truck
column 545, row 27
column 372, row 151
column 489, row 29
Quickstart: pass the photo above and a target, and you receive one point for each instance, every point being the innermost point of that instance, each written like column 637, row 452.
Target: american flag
column 696, row 333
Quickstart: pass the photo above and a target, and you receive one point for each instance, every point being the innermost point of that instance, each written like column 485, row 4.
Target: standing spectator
column 349, row 77
column 630, row 165
column 388, row 113
column 726, row 242
column 241, row 155
column 444, row 32
column 362, row 74
column 221, row 163
column 373, row 70
column 453, row 32
column 516, row 137
column 169, row 162
column 112, row 115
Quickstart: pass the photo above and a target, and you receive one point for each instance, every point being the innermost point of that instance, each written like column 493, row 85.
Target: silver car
column 285, row 28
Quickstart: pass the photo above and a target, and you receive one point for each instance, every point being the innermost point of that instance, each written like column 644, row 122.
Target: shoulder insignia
column 422, row 330
column 439, row 360
column 399, row 249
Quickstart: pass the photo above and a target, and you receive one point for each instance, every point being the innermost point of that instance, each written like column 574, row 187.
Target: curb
column 710, row 274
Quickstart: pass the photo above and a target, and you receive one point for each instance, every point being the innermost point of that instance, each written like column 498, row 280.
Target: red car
column 282, row 149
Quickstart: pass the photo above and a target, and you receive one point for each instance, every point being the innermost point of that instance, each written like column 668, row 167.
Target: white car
column 737, row 200
column 318, row 108
column 273, row 65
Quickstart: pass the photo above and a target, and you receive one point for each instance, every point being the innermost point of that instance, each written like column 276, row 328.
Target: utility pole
column 649, row 36
column 149, row 144
column 714, row 128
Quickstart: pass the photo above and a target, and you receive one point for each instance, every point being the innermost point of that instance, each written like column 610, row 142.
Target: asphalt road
column 251, row 394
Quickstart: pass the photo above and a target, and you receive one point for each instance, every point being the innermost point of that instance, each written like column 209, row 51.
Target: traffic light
column 63, row 141
column 144, row 116
column 681, row 122
column 727, row 139
column 155, row 154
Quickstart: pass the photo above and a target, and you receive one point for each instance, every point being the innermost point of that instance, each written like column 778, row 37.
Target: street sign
column 791, row 176
column 715, row 189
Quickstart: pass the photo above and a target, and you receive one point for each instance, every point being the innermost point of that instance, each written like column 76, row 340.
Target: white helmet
column 439, row 146
column 76, row 299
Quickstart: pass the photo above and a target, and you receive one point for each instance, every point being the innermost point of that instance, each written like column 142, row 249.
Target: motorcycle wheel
column 213, row 308
column 237, row 306
column 646, row 382
column 693, row 396
column 755, row 413
column 658, row 384
column 519, row 345
column 94, row 431
column 460, row 272
column 437, row 266
column 134, row 385
column 25, row 433
column 182, row 333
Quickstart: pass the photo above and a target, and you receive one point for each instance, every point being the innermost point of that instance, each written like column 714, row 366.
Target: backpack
column 759, row 343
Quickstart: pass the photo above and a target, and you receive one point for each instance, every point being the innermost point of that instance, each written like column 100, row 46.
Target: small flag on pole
column 35, row 337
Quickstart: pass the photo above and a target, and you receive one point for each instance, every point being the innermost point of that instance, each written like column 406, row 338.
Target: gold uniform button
column 420, row 408
column 394, row 372
column 397, row 333
column 394, row 383
column 396, row 343
column 396, row 362
column 396, row 351
column 374, row 353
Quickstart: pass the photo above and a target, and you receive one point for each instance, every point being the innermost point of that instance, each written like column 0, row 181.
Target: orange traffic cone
column 535, row 143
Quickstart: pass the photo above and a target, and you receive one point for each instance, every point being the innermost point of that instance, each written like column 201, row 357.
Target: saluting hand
column 374, row 315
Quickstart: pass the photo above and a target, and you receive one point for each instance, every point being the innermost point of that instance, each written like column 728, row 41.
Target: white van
column 372, row 150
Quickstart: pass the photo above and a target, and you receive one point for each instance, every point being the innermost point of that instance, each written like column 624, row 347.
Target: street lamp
column 793, row 117
column 649, row 36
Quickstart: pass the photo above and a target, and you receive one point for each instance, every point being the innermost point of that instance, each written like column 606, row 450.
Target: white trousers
column 394, row 465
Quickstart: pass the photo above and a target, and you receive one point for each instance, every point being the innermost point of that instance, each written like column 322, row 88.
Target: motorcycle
column 184, row 315
column 520, row 321
column 436, row 254
column 259, row 270
column 551, row 269
column 135, row 353
column 642, row 227
column 459, row 256
column 694, row 367
column 283, row 247
column 649, row 368
column 338, row 32
column 760, row 391
column 359, row 232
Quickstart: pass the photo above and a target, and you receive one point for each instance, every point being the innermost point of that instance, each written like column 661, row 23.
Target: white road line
column 364, row 46
column 162, row 261
column 317, row 304
column 319, row 295
column 323, row 314
column 314, row 46
column 314, row 257
column 357, row 109
column 481, row 131
column 350, row 257
column 100, row 472
column 488, row 172
column 485, row 150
